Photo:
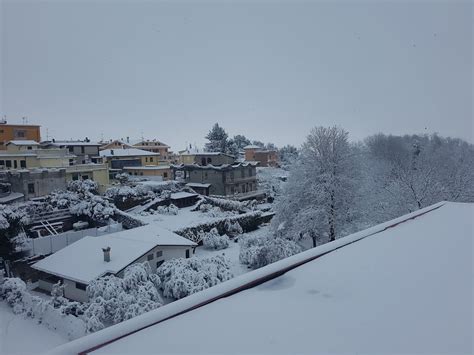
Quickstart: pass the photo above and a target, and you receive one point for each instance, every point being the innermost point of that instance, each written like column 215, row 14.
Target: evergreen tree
column 217, row 137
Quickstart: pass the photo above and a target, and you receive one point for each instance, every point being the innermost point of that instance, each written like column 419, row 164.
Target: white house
column 92, row 257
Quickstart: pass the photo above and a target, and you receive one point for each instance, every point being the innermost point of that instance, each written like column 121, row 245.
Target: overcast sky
column 268, row 70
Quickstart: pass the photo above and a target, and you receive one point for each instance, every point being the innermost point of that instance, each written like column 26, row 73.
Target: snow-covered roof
column 83, row 260
column 197, row 184
column 73, row 143
column 206, row 153
column 148, row 167
column 214, row 167
column 404, row 286
column 182, row 194
column 120, row 152
column 252, row 146
column 11, row 197
column 22, row 142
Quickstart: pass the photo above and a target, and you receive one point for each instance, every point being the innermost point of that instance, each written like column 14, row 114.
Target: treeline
column 336, row 187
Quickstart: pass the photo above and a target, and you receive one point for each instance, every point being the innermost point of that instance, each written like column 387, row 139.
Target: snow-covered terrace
column 404, row 286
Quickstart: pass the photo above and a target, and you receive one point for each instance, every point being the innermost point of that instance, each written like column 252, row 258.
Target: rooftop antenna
column 4, row 119
column 143, row 139
column 24, row 119
column 47, row 134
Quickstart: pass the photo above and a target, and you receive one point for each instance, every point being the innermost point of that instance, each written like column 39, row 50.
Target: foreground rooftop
column 404, row 286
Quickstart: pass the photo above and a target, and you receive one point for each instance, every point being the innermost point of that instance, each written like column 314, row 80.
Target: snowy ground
column 20, row 335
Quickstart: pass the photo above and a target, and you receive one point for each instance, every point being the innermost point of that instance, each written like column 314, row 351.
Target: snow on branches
column 258, row 251
column 113, row 299
column 212, row 240
column 183, row 277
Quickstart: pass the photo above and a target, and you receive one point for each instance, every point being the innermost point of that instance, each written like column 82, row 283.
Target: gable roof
column 397, row 287
column 72, row 143
column 23, row 142
column 125, row 152
column 83, row 260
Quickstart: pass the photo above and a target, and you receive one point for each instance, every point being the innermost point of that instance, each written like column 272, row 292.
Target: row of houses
column 30, row 167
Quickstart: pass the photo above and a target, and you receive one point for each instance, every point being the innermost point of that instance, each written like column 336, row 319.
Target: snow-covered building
column 266, row 157
column 404, row 286
column 92, row 257
column 224, row 180
column 85, row 151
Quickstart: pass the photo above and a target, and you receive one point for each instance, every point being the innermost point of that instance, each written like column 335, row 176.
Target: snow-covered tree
column 183, row 277
column 217, row 137
column 317, row 201
column 258, row 251
column 233, row 228
column 83, row 187
column 212, row 240
column 288, row 154
column 94, row 207
column 241, row 141
column 113, row 299
column 12, row 220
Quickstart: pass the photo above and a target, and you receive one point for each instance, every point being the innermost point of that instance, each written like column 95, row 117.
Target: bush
column 183, row 277
column 15, row 293
column 113, row 299
column 170, row 210
column 83, row 186
column 212, row 240
column 233, row 228
column 247, row 221
column 258, row 251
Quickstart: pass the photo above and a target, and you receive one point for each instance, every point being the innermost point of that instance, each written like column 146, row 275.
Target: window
column 2, row 162
column 75, row 176
column 23, row 163
column 151, row 159
column 159, row 263
column 8, row 163
column 19, row 133
column 187, row 253
column 85, row 177
column 81, row 286
column 146, row 160
column 29, row 147
column 15, row 164
column 71, row 149
column 149, row 257
column 165, row 175
column 83, row 150
column 209, row 160
column 159, row 253
column 31, row 188
column 203, row 161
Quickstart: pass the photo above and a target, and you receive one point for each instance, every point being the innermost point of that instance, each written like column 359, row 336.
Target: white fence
column 52, row 243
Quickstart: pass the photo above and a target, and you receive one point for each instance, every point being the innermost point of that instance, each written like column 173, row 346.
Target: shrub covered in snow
column 227, row 205
column 113, row 299
column 233, row 228
column 95, row 207
column 125, row 192
column 83, row 187
column 183, row 277
column 15, row 293
column 12, row 219
column 247, row 221
column 170, row 210
column 212, row 240
column 258, row 251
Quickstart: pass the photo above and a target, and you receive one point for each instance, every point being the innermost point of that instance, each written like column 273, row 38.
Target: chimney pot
column 106, row 251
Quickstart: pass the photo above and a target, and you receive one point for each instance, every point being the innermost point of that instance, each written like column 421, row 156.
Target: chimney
column 128, row 139
column 106, row 254
column 111, row 152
